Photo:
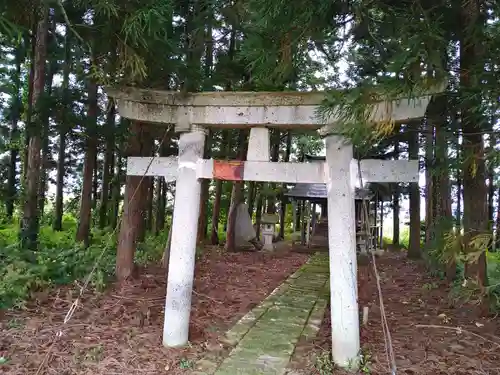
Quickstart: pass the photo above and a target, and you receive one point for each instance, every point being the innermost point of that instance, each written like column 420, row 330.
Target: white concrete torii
column 191, row 113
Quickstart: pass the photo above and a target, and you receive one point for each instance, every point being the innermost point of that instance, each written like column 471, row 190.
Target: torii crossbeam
column 192, row 113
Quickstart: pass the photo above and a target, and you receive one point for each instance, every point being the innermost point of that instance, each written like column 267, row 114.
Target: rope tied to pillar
column 365, row 222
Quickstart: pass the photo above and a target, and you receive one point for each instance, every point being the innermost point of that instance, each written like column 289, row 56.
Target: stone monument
column 268, row 222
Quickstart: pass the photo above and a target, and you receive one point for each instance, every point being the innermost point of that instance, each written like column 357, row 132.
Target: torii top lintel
column 246, row 109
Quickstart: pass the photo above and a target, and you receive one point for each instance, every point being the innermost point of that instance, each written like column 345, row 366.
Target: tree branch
column 68, row 23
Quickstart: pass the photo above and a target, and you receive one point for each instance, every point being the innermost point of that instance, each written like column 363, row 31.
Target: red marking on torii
column 229, row 170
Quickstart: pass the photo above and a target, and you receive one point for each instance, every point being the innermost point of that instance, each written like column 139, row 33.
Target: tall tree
column 30, row 222
column 83, row 232
column 474, row 186
column 109, row 156
column 15, row 114
column 414, row 250
column 284, row 199
column 48, row 104
column 395, row 195
column 275, row 148
column 133, row 219
column 226, row 147
column 63, row 131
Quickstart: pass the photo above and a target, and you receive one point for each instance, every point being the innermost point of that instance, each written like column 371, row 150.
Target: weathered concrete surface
column 247, row 109
column 342, row 250
column 183, row 247
column 372, row 170
column 265, row 338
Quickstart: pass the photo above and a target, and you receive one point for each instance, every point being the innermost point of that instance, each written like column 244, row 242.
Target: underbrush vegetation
column 60, row 260
column 445, row 249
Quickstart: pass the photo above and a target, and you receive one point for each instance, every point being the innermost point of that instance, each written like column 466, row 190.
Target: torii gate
column 192, row 113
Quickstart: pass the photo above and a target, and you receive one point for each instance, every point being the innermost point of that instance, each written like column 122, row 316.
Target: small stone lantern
column 268, row 222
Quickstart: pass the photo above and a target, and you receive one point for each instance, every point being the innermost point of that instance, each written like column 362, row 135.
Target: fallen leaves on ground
column 429, row 335
column 119, row 331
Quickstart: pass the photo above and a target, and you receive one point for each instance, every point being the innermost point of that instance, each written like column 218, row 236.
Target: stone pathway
column 263, row 341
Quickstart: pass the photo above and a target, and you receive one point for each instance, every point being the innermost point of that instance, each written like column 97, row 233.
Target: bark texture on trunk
column 395, row 196
column 226, row 146
column 30, row 224
column 115, row 189
column 414, row 250
column 162, row 186
column 133, row 209
column 491, row 185
column 443, row 220
column 15, row 113
column 83, row 231
column 459, row 172
column 207, row 152
column 160, row 206
column 46, row 111
column 497, row 231
column 258, row 211
column 214, row 238
column 63, row 131
column 107, row 173
column 43, row 173
column 95, row 181
column 31, row 82
column 149, row 205
column 251, row 198
column 429, row 163
column 204, row 196
column 284, row 198
column 474, row 186
column 275, row 148
column 147, row 145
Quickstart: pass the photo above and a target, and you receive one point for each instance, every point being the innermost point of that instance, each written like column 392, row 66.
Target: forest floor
column 430, row 333
column 119, row 331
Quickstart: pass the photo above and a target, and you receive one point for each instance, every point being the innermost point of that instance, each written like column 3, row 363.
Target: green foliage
column 446, row 244
column 185, row 364
column 306, row 143
column 361, row 117
column 448, row 247
column 277, row 44
column 60, row 260
column 404, row 238
column 493, row 290
column 152, row 249
column 324, row 364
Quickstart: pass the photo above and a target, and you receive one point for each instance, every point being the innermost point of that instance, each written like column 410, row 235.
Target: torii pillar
column 193, row 112
column 184, row 229
column 343, row 260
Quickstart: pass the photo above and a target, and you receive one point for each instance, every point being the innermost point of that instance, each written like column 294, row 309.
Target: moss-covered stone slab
column 265, row 335
column 303, row 304
column 251, row 348
column 317, row 268
column 235, row 334
column 287, row 314
column 313, row 324
column 205, row 366
column 264, row 340
column 262, row 365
